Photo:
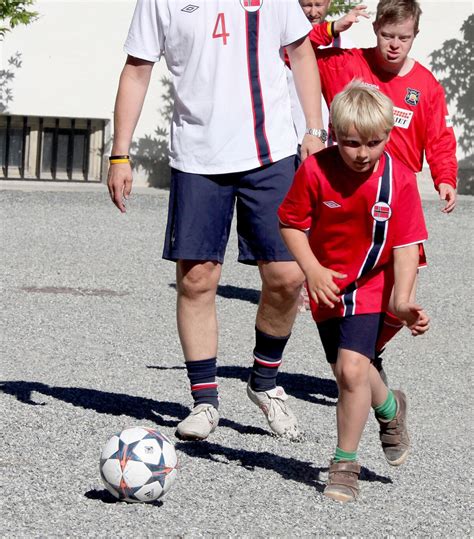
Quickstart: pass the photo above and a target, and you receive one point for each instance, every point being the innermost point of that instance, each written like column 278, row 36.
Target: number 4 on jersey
column 220, row 25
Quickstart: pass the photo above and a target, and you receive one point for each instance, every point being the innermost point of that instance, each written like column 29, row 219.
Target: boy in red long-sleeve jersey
column 353, row 221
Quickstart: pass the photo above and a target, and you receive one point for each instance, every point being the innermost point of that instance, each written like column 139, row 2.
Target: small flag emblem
column 381, row 211
column 251, row 5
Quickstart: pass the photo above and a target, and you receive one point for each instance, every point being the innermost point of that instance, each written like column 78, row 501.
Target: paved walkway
column 89, row 346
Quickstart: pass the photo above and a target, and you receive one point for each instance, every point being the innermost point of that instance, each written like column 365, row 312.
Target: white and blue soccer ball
column 138, row 464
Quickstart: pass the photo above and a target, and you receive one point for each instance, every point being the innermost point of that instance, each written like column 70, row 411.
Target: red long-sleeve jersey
column 422, row 124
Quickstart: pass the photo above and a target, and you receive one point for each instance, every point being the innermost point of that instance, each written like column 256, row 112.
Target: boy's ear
column 333, row 132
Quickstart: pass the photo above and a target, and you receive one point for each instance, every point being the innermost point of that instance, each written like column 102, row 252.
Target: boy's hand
column 345, row 22
column 322, row 287
column 414, row 317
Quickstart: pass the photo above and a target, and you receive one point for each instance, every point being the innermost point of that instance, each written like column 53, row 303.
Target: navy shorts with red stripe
column 201, row 208
column 357, row 332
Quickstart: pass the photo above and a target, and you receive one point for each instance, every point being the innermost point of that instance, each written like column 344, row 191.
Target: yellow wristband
column 118, row 161
column 329, row 29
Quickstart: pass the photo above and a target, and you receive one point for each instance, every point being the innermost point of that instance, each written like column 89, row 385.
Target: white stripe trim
column 293, row 226
column 408, row 244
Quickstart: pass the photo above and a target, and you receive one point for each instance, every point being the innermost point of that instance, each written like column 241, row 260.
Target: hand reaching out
column 345, row 22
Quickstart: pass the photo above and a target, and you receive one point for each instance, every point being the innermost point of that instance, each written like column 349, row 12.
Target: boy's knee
column 352, row 371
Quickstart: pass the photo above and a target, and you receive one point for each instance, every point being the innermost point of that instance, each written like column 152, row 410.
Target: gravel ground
column 89, row 346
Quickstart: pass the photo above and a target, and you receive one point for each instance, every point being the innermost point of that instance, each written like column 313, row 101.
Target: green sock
column 344, row 455
column 388, row 409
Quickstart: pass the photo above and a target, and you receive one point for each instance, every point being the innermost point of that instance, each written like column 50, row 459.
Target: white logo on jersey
column 190, row 8
column 402, row 117
column 331, row 204
column 449, row 121
column 251, row 5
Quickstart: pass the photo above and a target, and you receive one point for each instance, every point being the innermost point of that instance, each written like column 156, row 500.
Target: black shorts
column 357, row 333
column 201, row 208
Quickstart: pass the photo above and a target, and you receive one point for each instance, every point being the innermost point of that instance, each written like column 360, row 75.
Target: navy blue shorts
column 201, row 208
column 357, row 333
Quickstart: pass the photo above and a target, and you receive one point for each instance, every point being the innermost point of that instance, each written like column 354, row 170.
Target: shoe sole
column 339, row 496
column 400, row 460
column 192, row 436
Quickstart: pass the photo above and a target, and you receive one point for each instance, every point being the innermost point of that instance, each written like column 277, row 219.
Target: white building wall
column 72, row 56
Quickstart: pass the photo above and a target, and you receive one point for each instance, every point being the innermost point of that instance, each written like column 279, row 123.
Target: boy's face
column 358, row 153
column 315, row 10
column 394, row 42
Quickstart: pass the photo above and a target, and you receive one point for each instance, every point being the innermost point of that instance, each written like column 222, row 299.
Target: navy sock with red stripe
column 202, row 375
column 267, row 355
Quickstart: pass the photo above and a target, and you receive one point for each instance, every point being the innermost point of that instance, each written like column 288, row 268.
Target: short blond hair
column 397, row 11
column 363, row 107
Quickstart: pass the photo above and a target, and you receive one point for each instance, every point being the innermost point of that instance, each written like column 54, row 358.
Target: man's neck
column 395, row 69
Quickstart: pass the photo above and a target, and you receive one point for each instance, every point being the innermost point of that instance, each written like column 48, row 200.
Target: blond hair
column 363, row 107
column 397, row 11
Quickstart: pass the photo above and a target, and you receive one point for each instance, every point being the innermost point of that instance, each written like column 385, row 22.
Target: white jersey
column 232, row 108
column 299, row 121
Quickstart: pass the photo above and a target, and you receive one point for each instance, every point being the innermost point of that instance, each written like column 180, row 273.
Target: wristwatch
column 320, row 133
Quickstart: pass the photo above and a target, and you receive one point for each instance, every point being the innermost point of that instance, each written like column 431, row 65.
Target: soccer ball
column 138, row 464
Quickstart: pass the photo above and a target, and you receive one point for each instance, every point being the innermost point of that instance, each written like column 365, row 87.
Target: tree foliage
column 15, row 12
column 454, row 65
column 339, row 7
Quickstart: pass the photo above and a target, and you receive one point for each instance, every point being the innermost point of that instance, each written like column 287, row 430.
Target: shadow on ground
column 302, row 386
column 235, row 292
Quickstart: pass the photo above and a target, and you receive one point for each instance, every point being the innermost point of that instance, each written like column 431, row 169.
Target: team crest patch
column 251, row 5
column 381, row 211
column 412, row 97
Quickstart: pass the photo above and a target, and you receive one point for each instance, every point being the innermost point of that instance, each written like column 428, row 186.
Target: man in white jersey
column 232, row 143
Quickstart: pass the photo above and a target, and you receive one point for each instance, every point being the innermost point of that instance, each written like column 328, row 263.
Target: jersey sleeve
column 320, row 35
column 294, row 24
column 440, row 147
column 409, row 222
column 147, row 33
column 296, row 209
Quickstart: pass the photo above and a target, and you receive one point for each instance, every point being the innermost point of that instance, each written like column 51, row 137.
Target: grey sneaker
column 202, row 420
column 280, row 418
column 394, row 434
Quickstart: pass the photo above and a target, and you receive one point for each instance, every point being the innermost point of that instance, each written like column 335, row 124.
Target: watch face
column 320, row 133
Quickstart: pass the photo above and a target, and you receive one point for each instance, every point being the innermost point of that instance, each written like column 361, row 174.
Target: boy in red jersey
column 353, row 221
column 422, row 124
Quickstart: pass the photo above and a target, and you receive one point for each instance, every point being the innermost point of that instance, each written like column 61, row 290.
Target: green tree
column 339, row 7
column 12, row 13
column 454, row 65
column 15, row 12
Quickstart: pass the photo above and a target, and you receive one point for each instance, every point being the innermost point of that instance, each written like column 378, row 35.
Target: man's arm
column 131, row 94
column 405, row 268
column 440, row 149
column 306, row 77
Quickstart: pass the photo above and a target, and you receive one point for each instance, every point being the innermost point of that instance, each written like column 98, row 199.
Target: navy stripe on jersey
column 379, row 235
column 261, row 141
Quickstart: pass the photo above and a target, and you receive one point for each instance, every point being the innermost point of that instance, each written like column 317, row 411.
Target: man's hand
column 119, row 182
column 310, row 145
column 447, row 193
column 345, row 22
column 321, row 285
column 414, row 317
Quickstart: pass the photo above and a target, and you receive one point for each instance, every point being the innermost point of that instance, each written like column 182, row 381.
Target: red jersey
column 354, row 223
column 422, row 124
